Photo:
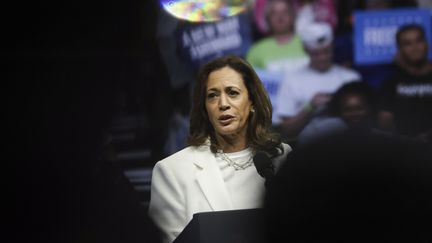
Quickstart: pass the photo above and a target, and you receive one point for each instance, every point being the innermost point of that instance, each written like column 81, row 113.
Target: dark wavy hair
column 259, row 134
column 356, row 87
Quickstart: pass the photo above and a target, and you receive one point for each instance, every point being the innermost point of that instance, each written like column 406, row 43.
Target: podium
column 232, row 226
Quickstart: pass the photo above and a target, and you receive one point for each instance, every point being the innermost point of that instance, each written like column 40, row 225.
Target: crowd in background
column 68, row 62
column 308, row 48
column 347, row 122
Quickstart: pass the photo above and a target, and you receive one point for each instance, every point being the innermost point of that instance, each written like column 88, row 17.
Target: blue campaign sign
column 374, row 33
column 202, row 42
column 271, row 82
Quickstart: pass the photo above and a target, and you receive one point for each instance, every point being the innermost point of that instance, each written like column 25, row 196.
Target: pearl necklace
column 235, row 165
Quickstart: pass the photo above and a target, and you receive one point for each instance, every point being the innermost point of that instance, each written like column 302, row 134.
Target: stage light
column 204, row 10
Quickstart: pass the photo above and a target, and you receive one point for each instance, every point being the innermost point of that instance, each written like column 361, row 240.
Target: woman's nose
column 223, row 103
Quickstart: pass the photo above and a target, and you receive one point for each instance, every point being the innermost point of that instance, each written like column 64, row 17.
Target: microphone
column 264, row 166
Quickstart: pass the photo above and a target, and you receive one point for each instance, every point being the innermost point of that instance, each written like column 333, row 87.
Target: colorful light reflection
column 203, row 10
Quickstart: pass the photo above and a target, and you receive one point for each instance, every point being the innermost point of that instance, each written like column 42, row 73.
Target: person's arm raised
column 292, row 126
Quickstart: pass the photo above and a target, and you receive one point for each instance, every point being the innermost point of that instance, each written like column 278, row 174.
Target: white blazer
column 186, row 183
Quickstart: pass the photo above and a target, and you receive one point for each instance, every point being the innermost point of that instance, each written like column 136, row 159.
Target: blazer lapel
column 210, row 180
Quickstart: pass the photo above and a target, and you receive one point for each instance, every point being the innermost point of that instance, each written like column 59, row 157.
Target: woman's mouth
column 225, row 119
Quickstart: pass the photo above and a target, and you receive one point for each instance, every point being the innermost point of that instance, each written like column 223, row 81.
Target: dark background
column 75, row 70
column 69, row 65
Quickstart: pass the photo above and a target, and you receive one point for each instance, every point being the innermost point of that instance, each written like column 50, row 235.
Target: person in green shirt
column 282, row 50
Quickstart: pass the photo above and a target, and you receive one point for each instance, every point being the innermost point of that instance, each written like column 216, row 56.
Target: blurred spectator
column 355, row 104
column 352, row 188
column 375, row 74
column 310, row 11
column 305, row 93
column 282, row 50
column 407, row 95
column 352, row 106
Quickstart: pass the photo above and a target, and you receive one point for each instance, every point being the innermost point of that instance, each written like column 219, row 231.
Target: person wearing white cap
column 304, row 93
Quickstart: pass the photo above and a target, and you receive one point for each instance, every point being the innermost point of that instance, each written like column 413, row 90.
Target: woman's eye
column 233, row 93
column 211, row 95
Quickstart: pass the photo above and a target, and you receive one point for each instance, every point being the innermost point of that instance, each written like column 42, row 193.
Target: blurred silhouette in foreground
column 66, row 81
column 353, row 187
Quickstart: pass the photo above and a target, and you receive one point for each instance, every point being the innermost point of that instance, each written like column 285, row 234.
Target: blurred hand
column 320, row 99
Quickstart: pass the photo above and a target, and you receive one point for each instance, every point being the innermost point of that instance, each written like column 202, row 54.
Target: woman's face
column 227, row 102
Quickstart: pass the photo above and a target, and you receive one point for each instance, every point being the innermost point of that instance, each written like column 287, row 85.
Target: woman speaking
column 230, row 121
